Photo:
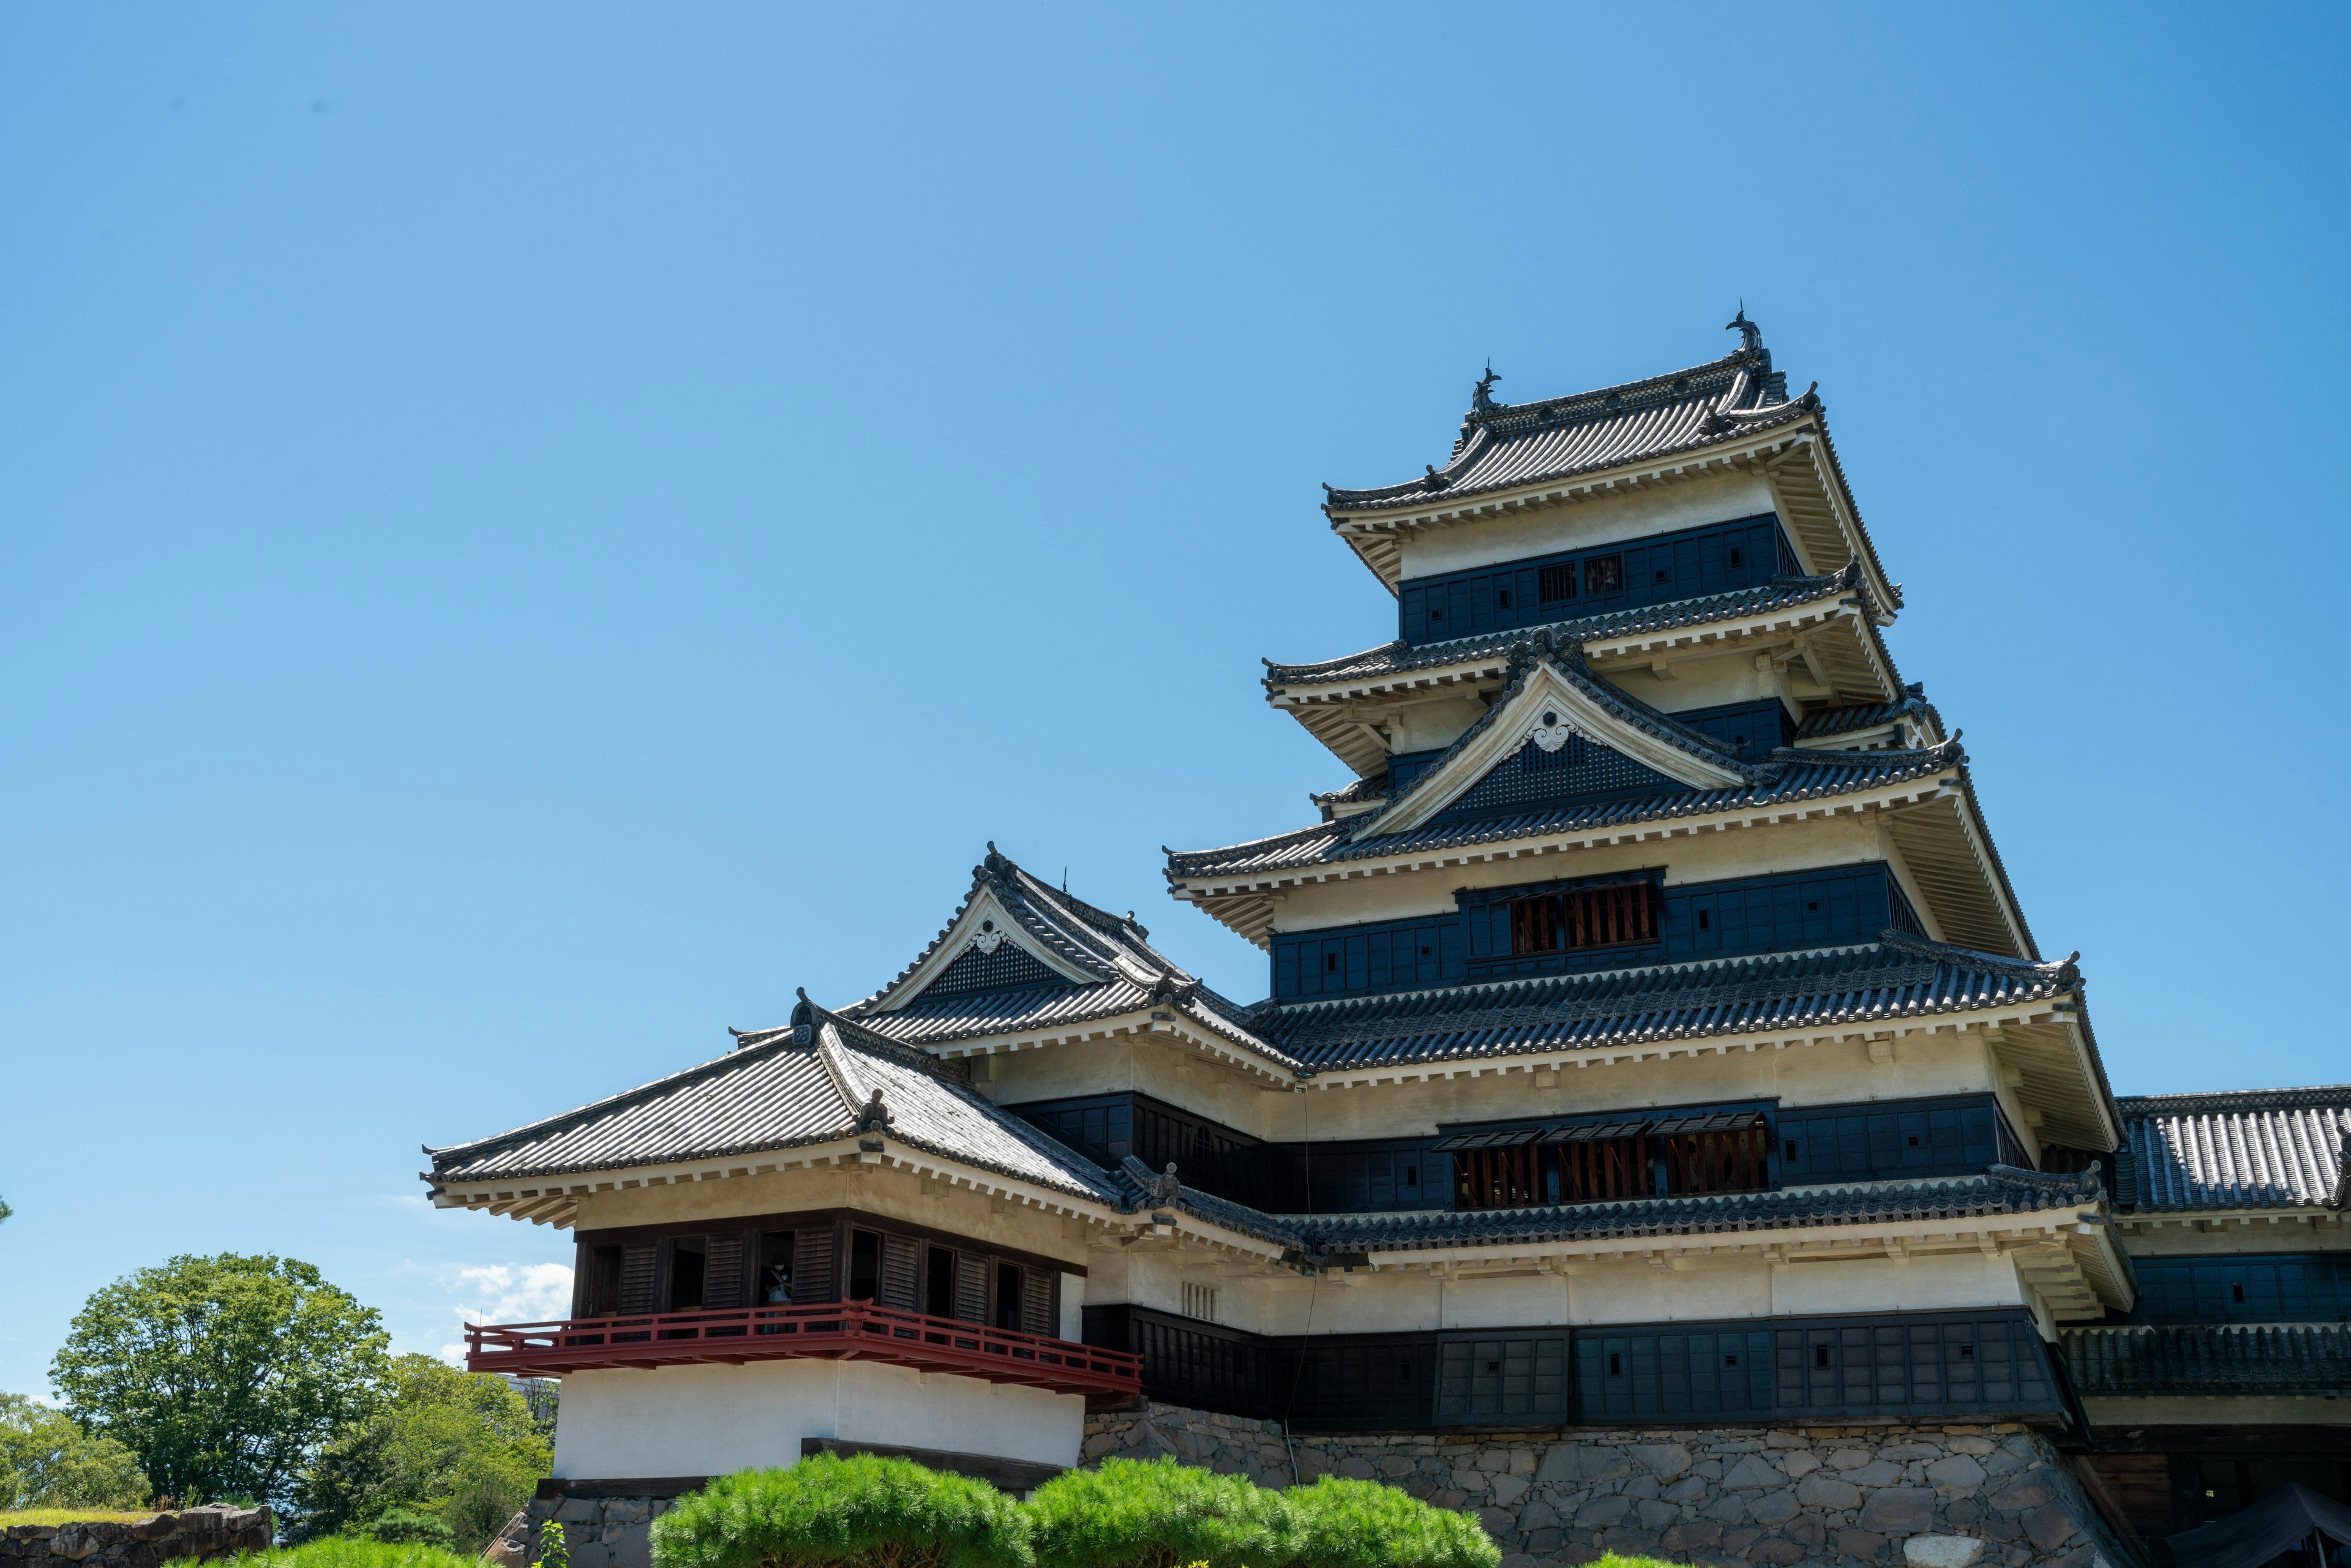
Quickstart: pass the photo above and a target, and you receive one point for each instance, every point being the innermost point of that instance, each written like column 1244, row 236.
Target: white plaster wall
column 2231, row 1236
column 1630, row 1291
column 1074, row 1308
column 1717, row 500
column 713, row 1420
column 1898, row 1284
column 1180, row 1077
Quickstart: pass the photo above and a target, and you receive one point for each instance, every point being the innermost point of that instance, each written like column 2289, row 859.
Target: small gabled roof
column 1102, row 966
column 1686, row 419
column 810, row 1082
column 1550, row 684
column 1822, row 725
column 2241, row 1150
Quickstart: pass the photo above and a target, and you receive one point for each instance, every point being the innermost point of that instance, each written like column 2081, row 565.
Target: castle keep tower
column 1655, row 1060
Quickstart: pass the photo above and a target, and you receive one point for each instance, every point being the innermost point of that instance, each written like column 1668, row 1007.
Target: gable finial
column 1750, row 335
column 803, row 1018
column 1481, row 401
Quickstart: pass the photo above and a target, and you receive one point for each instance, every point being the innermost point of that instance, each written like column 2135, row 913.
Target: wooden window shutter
column 971, row 1287
column 1037, row 1303
column 902, row 1273
column 637, row 1268
column 812, row 1266
column 722, row 1278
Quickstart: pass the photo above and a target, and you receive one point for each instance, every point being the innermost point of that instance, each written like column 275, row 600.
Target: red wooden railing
column 837, row 1331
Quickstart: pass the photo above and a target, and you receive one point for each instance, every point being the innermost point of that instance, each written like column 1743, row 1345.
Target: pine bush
column 1158, row 1513
column 832, row 1512
column 1340, row 1523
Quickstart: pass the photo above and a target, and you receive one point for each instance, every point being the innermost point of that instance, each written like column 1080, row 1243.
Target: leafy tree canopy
column 458, row 1447
column 47, row 1461
column 225, row 1375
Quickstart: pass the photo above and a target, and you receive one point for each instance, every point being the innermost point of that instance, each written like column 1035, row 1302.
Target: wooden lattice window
column 1555, row 583
column 1616, row 914
column 1603, row 574
column 1728, row 1152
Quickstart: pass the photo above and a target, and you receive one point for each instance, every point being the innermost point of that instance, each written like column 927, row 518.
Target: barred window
column 1556, row 582
column 1613, row 915
column 1603, row 574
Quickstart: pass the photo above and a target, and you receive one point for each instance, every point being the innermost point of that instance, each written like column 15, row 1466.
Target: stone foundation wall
column 139, row 1543
column 1830, row 1495
column 598, row 1531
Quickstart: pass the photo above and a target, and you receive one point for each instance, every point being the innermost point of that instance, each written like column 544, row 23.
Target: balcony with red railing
column 832, row 1330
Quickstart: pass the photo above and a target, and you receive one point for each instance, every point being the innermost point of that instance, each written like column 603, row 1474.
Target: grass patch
column 70, row 1516
column 347, row 1552
column 1612, row 1561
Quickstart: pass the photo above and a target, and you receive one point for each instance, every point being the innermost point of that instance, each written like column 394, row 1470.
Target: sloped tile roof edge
column 2214, row 1360
column 1780, row 593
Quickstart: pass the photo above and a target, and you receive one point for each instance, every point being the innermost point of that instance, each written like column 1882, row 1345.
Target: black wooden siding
column 1948, row 1136
column 1832, row 906
column 2267, row 1288
column 1912, row 1365
column 1005, row 969
column 1530, row 777
column 1745, row 729
column 1655, row 570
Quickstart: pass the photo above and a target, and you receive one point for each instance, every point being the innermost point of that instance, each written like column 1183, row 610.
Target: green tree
column 225, row 1375
column 459, row 1447
column 47, row 1461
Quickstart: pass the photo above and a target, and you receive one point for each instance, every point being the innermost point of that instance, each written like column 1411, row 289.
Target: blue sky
column 527, row 533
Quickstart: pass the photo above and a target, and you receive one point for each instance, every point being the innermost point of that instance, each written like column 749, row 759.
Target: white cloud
column 495, row 1293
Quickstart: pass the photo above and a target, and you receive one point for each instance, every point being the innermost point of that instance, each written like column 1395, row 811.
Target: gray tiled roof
column 791, row 1088
column 2002, row 1189
column 1823, row 722
column 1785, row 777
column 1399, row 657
column 1896, row 976
column 1509, row 444
column 1999, row 1190
column 2210, row 1359
column 2250, row 1149
column 1129, row 973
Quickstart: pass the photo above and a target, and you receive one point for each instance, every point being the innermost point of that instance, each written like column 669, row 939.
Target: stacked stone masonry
column 194, row 1532
column 1825, row 1496
column 597, row 1531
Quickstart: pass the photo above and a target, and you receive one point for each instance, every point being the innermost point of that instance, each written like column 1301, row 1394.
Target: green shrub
column 1342, row 1524
column 409, row 1527
column 343, row 1552
column 1157, row 1514
column 832, row 1512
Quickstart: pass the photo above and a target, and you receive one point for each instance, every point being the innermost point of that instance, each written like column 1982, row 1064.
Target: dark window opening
column 603, row 1282
column 1436, row 614
column 1618, row 915
column 1737, row 558
column 864, row 1265
column 687, row 1266
column 938, row 1282
column 1008, row 1295
column 1603, row 574
column 2236, row 1292
column 1819, row 1355
column 1788, row 1149
column 1556, row 582
column 1731, row 1361
column 1913, row 1140
column 1705, row 919
column 1501, row 598
column 1615, row 1363
column 776, row 1269
column 1412, row 1175
column 1330, row 963
column 1814, row 907
column 1665, row 577
column 1967, row 1353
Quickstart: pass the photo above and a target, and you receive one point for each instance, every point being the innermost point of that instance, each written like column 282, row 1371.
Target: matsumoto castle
column 1654, row 1048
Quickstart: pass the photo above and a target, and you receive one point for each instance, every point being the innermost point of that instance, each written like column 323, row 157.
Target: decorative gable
column 1004, row 967
column 1556, row 733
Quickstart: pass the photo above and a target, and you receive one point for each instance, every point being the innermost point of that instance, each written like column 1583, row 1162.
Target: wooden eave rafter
column 1818, row 517
column 1245, row 902
column 1825, row 634
column 1944, row 851
column 2151, row 1221
column 2051, row 1074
